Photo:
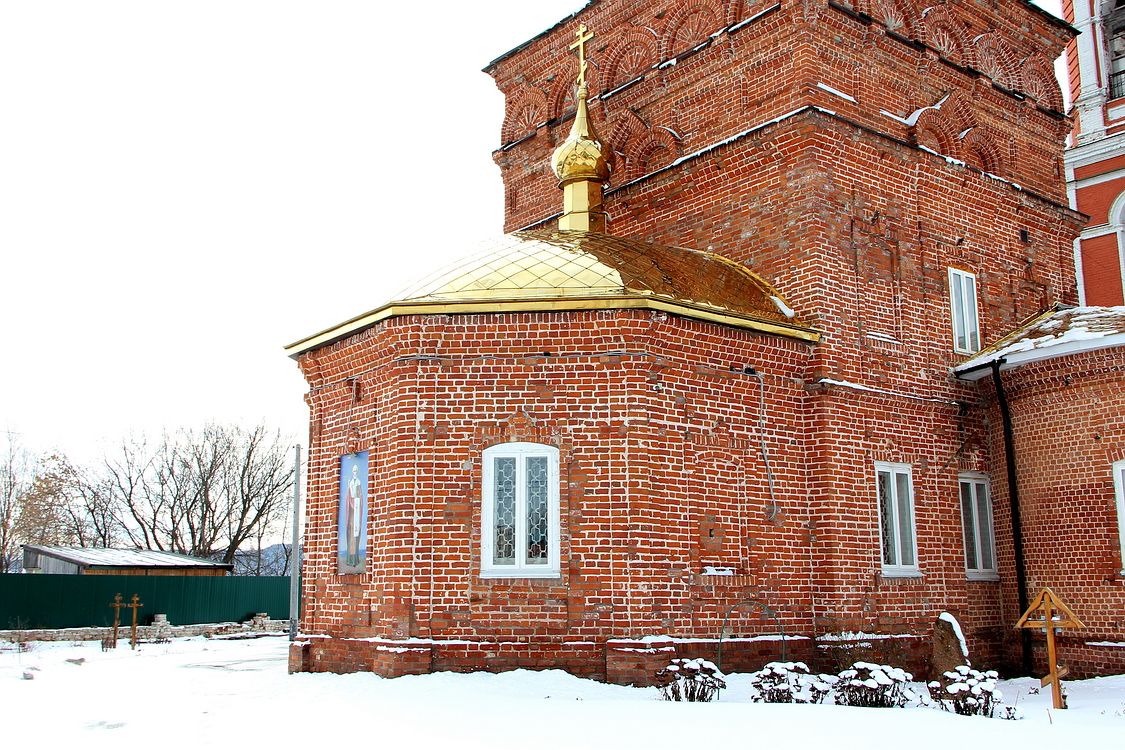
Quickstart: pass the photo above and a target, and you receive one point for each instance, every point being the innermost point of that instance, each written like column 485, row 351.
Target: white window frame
column 896, row 568
column 521, row 452
column 982, row 528
column 1119, row 490
column 964, row 316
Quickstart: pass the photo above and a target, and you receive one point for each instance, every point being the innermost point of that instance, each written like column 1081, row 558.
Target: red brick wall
column 850, row 213
column 1101, row 255
column 620, row 661
column 1095, row 200
column 1001, row 114
column 1101, row 270
column 658, row 447
column 652, row 442
column 1068, row 418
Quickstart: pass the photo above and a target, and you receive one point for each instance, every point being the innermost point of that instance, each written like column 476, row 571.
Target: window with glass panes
column 963, row 304
column 520, row 511
column 1119, row 489
column 896, row 519
column 976, row 522
column 1115, row 24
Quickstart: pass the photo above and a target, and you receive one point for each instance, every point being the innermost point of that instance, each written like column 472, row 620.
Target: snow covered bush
column 874, row 686
column 969, row 692
column 694, row 680
column 789, row 682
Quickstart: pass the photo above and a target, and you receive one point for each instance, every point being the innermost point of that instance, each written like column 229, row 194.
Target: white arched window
column 520, row 511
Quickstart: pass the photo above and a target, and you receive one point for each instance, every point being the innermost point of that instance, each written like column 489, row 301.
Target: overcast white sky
column 185, row 187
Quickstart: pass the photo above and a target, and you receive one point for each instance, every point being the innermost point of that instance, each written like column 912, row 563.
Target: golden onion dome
column 554, row 270
column 581, row 156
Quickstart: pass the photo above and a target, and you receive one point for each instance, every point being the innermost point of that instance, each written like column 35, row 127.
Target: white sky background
column 185, row 187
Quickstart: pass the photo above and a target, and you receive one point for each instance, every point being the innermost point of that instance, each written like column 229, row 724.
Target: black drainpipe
column 1014, row 505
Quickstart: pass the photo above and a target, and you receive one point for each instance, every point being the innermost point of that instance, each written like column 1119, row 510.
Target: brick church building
column 790, row 363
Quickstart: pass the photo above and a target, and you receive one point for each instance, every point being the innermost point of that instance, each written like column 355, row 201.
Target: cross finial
column 583, row 36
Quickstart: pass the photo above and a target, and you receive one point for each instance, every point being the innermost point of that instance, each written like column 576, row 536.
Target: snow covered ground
column 193, row 693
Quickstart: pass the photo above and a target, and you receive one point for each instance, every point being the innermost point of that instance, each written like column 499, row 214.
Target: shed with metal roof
column 109, row 561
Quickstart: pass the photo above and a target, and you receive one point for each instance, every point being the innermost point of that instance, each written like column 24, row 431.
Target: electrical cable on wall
column 773, row 509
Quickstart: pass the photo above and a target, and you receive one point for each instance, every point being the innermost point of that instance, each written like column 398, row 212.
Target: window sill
column 900, row 572
column 981, row 576
column 518, row 573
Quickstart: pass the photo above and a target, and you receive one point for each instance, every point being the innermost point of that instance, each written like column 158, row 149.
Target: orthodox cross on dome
column 580, row 161
column 583, row 36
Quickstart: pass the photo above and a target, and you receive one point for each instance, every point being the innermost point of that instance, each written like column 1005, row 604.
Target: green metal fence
column 71, row 601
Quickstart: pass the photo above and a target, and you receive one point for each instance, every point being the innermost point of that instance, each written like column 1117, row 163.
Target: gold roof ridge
column 558, row 270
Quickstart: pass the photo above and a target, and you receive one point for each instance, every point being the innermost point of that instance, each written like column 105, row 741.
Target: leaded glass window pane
column 504, row 511
column 905, row 519
column 520, row 511
column 538, row 518
column 896, row 519
column 969, row 525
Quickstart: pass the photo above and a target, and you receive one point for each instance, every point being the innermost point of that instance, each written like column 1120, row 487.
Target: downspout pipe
column 1014, row 510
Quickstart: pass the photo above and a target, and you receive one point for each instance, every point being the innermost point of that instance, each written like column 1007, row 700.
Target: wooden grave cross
column 134, row 605
column 1049, row 612
column 117, row 605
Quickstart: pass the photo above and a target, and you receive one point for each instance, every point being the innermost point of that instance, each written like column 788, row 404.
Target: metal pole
column 295, row 547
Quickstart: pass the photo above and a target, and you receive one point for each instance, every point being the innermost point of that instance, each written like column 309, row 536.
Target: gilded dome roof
column 550, row 270
column 581, row 156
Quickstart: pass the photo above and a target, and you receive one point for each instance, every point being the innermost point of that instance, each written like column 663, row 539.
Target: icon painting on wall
column 352, row 528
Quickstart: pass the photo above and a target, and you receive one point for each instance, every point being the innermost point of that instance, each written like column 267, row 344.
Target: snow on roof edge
column 1021, row 348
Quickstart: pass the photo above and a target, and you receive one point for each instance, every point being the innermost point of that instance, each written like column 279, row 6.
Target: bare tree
column 257, row 486
column 17, row 471
column 202, row 461
column 91, row 518
column 134, row 493
column 205, row 493
column 43, row 513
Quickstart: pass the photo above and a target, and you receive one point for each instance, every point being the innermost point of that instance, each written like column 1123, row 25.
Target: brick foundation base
column 618, row 661
column 1083, row 659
